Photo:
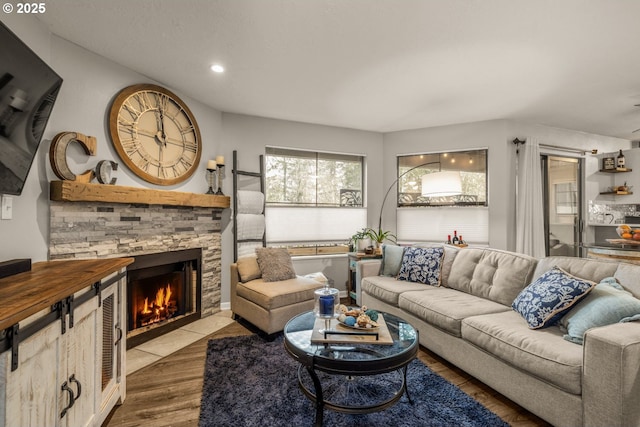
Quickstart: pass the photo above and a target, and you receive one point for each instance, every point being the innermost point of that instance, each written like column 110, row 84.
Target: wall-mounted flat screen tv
column 28, row 90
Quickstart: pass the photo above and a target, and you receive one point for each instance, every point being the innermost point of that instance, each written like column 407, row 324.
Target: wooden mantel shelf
column 72, row 191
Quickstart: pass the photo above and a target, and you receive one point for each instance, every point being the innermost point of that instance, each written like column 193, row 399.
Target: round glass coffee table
column 351, row 377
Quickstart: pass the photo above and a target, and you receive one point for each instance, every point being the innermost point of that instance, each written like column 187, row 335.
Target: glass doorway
column 562, row 191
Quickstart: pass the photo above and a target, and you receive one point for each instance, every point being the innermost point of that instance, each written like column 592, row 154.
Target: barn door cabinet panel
column 62, row 365
column 32, row 393
column 55, row 377
column 112, row 329
column 82, row 355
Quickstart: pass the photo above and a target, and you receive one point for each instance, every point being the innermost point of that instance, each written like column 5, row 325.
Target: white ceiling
column 380, row 65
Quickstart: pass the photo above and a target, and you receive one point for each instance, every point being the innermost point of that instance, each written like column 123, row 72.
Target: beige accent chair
column 268, row 305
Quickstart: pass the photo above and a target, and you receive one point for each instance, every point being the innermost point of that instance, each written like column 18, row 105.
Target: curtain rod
column 554, row 147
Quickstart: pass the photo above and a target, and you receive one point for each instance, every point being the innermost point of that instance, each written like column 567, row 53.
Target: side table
column 353, row 287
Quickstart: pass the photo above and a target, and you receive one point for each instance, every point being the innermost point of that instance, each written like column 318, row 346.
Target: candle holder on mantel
column 220, row 178
column 211, row 180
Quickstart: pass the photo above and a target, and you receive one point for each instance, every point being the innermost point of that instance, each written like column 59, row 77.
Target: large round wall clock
column 155, row 134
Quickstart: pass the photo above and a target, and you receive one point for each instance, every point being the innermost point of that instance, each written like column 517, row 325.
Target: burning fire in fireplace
column 162, row 307
column 163, row 293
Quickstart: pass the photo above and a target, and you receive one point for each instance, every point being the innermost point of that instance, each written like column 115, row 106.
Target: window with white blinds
column 313, row 198
column 433, row 225
column 471, row 169
column 310, row 178
column 287, row 225
column 423, row 218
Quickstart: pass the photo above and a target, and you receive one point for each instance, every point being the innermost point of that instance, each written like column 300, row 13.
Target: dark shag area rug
column 251, row 382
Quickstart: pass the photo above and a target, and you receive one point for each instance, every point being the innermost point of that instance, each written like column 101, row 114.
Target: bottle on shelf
column 460, row 241
column 623, row 189
column 455, row 239
column 448, row 239
column 620, row 161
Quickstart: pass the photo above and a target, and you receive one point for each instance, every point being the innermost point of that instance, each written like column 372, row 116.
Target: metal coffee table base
column 353, row 377
column 318, row 394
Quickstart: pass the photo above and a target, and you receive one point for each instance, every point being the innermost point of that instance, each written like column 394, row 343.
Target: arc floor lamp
column 436, row 184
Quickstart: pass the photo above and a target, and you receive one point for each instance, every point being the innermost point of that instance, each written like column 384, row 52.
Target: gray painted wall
column 91, row 81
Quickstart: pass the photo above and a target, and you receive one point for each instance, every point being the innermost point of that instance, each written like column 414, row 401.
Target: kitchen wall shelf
column 615, row 193
column 615, row 170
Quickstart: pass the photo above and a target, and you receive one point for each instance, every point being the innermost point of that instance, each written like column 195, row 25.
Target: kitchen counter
column 616, row 252
column 615, row 224
column 606, row 245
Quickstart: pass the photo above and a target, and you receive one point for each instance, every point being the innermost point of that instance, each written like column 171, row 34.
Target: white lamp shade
column 445, row 183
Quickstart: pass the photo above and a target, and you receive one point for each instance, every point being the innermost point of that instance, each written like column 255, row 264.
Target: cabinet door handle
column 72, row 379
column 72, row 400
column 119, row 330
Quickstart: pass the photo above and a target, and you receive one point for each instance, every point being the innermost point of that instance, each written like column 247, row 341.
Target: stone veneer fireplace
column 107, row 230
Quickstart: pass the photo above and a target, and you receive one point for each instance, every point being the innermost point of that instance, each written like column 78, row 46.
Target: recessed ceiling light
column 217, row 68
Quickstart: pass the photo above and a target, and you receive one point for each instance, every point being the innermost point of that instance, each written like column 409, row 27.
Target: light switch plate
column 7, row 207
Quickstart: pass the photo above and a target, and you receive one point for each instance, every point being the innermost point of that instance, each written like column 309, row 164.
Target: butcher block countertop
column 48, row 282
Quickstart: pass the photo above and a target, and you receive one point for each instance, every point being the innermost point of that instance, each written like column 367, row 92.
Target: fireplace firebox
column 163, row 293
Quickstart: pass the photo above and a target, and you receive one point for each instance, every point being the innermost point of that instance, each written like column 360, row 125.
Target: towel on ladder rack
column 250, row 226
column 250, row 202
column 248, row 248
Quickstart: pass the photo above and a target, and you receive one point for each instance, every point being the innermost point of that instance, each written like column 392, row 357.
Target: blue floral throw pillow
column 545, row 301
column 421, row 265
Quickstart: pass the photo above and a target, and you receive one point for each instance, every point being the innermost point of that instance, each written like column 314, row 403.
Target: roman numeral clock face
column 155, row 134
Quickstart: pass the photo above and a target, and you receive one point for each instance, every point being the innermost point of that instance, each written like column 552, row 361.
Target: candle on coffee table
column 326, row 305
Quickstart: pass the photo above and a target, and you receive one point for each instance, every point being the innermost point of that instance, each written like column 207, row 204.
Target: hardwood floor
column 167, row 393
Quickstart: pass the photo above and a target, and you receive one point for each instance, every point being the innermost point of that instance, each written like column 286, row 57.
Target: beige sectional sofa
column 468, row 320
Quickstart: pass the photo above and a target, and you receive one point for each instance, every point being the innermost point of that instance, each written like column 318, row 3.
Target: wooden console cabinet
column 62, row 360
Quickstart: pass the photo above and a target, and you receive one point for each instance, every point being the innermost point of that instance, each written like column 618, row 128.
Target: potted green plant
column 356, row 238
column 379, row 236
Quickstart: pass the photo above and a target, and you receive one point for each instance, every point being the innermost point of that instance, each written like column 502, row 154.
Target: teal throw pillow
column 422, row 265
column 607, row 304
column 391, row 259
column 545, row 300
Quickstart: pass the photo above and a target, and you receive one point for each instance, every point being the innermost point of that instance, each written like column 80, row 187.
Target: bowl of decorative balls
column 357, row 318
